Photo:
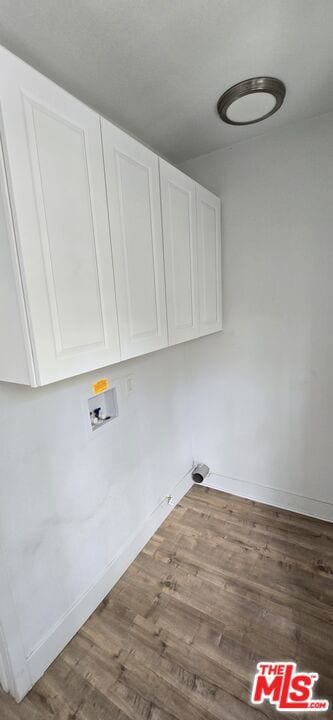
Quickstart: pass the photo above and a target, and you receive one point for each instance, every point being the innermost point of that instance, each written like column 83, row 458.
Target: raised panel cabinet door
column 180, row 252
column 209, row 256
column 136, row 237
column 55, row 161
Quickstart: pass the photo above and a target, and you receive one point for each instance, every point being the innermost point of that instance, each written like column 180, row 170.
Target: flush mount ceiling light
column 251, row 100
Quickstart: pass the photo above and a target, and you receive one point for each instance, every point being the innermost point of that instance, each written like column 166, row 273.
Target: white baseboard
column 14, row 672
column 271, row 496
column 58, row 637
column 4, row 679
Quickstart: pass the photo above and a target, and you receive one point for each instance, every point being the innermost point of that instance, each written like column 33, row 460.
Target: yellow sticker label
column 100, row 386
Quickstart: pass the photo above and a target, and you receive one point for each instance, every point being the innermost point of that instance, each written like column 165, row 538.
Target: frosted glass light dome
column 251, row 108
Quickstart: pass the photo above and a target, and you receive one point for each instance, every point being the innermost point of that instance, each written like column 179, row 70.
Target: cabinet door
column 137, row 246
column 180, row 251
column 209, row 255
column 55, row 161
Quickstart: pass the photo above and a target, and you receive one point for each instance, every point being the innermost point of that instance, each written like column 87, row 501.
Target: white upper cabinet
column 106, row 252
column 54, row 163
column 137, row 246
column 209, row 255
column 180, row 252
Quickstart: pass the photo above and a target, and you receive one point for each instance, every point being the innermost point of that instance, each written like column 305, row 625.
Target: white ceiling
column 157, row 67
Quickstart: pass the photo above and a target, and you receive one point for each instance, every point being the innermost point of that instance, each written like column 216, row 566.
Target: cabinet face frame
column 26, row 95
column 133, row 191
column 210, row 260
column 16, row 362
column 178, row 197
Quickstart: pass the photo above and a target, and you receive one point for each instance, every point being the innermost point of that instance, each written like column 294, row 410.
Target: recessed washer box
column 102, row 408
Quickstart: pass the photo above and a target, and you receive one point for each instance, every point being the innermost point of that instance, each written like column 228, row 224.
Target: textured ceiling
column 157, row 67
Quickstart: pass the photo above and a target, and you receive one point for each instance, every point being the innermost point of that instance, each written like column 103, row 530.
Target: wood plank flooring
column 224, row 583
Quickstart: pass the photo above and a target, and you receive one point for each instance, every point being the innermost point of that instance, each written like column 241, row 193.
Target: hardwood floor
column 224, row 583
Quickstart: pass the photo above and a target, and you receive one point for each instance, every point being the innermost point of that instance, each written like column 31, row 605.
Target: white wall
column 261, row 401
column 263, row 390
column 69, row 503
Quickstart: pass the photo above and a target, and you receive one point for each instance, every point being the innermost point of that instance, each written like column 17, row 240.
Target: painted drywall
column 70, row 500
column 257, row 400
column 262, row 391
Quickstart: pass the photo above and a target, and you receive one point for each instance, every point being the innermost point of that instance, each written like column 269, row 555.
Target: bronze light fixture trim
column 274, row 88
